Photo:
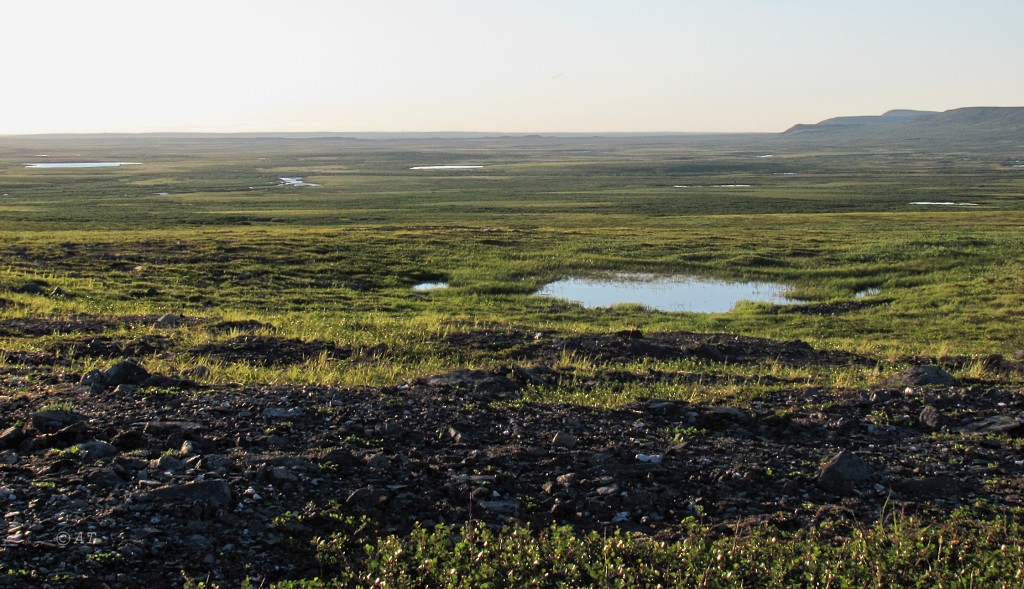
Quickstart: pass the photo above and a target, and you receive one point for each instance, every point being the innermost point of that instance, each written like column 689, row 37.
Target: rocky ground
column 124, row 478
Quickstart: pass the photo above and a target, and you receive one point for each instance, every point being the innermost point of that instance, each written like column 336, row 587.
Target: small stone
column 105, row 478
column 96, row 450
column 30, row 288
column 996, row 424
column 53, row 420
column 282, row 413
column 456, row 436
column 213, row 492
column 340, row 457
column 568, row 479
column 168, row 320
column 126, row 372
column 938, row 487
column 378, row 460
column 650, row 458
column 12, row 436
column 168, row 464
column 368, row 497
column 281, row 474
column 8, row 457
column 608, row 490
column 843, row 473
column 196, row 373
column 94, row 377
column 507, row 507
column 930, row 417
column 926, row 375
column 564, row 440
column 728, row 413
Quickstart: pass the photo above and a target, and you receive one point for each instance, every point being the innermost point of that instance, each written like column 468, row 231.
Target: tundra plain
column 214, row 366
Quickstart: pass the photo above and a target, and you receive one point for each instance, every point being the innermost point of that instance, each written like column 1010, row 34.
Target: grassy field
column 204, row 228
column 207, row 225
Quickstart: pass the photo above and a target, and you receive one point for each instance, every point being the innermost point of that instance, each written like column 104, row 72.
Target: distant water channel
column 665, row 293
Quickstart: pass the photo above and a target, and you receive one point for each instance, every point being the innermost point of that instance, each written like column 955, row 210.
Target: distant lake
column 82, row 164
column 665, row 293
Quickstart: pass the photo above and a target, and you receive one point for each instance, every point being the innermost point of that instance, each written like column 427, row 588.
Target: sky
column 79, row 66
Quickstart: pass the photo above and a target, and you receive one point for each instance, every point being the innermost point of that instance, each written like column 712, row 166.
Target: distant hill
column 962, row 127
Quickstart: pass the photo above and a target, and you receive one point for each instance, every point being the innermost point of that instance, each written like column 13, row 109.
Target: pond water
column 445, row 167
column 81, row 164
column 430, row 286
column 296, row 182
column 714, row 186
column 867, row 292
column 945, row 204
column 665, row 293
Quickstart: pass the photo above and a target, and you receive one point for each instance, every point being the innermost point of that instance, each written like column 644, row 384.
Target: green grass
column 904, row 552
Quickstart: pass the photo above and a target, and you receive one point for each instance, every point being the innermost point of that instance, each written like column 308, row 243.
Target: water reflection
column 430, row 286
column 665, row 293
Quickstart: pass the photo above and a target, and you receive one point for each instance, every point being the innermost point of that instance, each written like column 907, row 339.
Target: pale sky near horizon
column 512, row 66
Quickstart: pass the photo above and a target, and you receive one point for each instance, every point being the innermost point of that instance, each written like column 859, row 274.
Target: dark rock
column 129, row 440
column 528, row 376
column 96, row 450
column 729, row 413
column 12, row 436
column 843, row 473
column 925, row 376
column 456, row 436
column 509, row 507
column 564, row 440
column 54, row 420
column 706, row 352
column 368, row 497
column 168, row 464
column 126, row 372
column 996, row 424
column 930, row 417
column 160, row 381
column 340, row 457
column 158, row 428
column 94, row 377
column 168, row 320
column 281, row 474
column 938, row 487
column 196, row 373
column 30, row 288
column 378, row 461
column 213, row 492
column 106, row 478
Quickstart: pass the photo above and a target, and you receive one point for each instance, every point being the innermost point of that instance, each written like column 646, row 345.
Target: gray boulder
column 843, row 473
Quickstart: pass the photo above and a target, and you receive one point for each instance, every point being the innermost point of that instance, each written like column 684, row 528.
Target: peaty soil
column 134, row 486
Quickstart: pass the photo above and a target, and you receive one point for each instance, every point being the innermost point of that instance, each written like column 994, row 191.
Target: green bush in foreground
column 907, row 553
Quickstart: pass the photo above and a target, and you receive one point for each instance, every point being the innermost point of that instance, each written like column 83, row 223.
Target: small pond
column 423, row 286
column 447, row 167
column 665, row 293
column 296, row 182
column 82, row 164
